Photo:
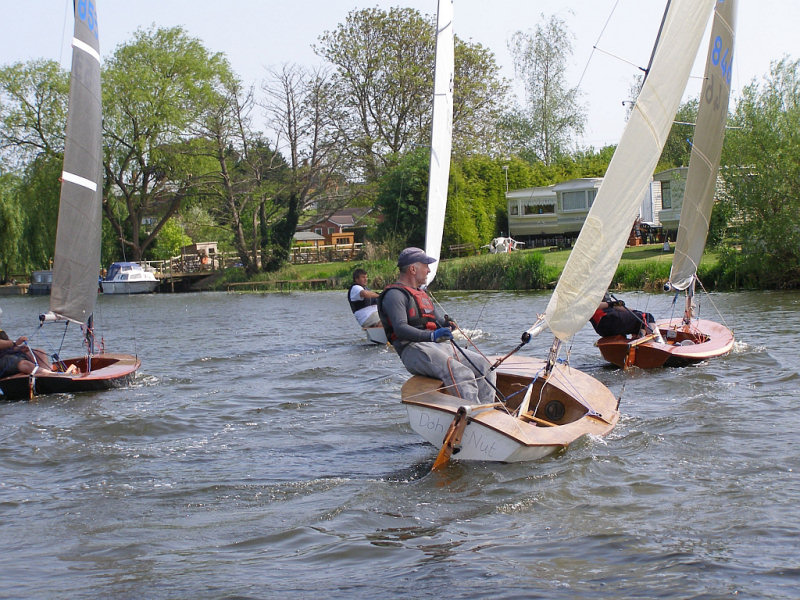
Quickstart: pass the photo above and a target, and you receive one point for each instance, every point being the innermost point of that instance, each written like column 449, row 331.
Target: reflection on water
column 263, row 451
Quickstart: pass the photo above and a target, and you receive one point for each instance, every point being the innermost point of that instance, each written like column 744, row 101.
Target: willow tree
column 551, row 118
column 33, row 109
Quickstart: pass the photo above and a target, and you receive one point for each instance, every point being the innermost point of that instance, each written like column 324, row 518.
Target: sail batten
column 441, row 132
column 76, row 263
column 712, row 114
column 599, row 246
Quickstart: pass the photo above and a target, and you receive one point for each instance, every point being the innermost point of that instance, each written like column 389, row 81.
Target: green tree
column 156, row 90
column 170, row 240
column 10, row 226
column 383, row 83
column 402, row 199
column 762, row 155
column 678, row 147
column 33, row 111
column 545, row 127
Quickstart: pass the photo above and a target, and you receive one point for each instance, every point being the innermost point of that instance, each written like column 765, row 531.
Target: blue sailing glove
column 443, row 334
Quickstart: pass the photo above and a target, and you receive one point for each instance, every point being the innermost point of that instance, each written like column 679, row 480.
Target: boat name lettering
column 473, row 439
column 426, row 422
column 88, row 14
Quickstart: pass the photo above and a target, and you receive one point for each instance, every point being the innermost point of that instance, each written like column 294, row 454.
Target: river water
column 263, row 452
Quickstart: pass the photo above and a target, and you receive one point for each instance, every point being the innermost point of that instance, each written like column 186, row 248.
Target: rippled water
column 263, row 452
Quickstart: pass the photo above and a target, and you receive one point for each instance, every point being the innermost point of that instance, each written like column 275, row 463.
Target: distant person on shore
column 363, row 301
column 17, row 357
column 612, row 317
column 414, row 326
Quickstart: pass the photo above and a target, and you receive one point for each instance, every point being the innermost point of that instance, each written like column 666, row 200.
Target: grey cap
column 412, row 255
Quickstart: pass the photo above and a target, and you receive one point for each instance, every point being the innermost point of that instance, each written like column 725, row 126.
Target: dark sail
column 77, row 256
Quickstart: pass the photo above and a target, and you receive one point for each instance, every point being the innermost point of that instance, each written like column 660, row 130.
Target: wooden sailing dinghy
column 548, row 416
column 689, row 339
column 561, row 404
column 76, row 263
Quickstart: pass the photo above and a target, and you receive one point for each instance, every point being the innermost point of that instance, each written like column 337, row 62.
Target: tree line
column 192, row 154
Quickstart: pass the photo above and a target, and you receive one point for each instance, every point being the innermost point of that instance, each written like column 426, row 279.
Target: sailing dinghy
column 689, row 339
column 548, row 405
column 77, row 254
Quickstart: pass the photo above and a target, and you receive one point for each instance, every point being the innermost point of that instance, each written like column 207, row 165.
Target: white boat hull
column 129, row 287
column 478, row 441
column 495, row 433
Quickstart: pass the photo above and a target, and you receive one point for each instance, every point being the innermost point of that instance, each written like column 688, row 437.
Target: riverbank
column 641, row 268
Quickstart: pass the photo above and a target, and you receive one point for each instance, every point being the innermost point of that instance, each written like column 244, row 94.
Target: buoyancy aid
column 356, row 305
column 420, row 313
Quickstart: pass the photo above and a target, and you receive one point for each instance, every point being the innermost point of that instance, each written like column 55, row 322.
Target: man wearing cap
column 414, row 326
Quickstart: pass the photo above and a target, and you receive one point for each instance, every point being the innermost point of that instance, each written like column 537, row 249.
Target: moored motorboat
column 128, row 278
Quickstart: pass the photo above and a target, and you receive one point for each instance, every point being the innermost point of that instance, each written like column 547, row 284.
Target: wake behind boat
column 77, row 253
column 128, row 278
column 689, row 340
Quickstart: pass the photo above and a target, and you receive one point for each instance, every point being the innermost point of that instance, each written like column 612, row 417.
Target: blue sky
column 256, row 34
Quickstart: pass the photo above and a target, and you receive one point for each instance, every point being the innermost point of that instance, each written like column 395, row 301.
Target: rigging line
column 63, row 29
column 594, row 47
column 710, row 299
column 466, row 337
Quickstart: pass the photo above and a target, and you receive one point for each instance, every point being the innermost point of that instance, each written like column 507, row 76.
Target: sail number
column 88, row 14
column 722, row 59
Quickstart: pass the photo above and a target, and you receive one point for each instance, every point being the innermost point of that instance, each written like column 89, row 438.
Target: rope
column 710, row 299
column 453, row 378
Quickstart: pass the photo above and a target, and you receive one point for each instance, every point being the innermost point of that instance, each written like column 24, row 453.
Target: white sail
column 441, row 132
column 76, row 263
column 709, row 133
column 599, row 246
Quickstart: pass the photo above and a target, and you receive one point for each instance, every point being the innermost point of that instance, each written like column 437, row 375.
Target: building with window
column 673, row 184
column 553, row 215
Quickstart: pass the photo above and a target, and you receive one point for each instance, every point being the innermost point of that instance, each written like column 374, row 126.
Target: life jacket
column 356, row 305
column 619, row 321
column 420, row 312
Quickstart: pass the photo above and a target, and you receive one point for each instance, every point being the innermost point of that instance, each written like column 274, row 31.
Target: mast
column 76, row 262
column 441, row 133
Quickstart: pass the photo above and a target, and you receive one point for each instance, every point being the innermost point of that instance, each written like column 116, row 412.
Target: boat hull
column 686, row 345
column 493, row 434
column 108, row 371
column 129, row 287
column 376, row 335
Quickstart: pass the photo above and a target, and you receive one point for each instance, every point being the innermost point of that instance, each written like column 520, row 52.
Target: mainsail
column 441, row 132
column 599, row 246
column 709, row 133
column 76, row 264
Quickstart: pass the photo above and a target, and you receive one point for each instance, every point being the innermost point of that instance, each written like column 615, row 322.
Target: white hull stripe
column 76, row 43
column 78, row 180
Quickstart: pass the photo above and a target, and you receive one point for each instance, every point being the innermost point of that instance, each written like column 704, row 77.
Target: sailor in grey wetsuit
column 414, row 326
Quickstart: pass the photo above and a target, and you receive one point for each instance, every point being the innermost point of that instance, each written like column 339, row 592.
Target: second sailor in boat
column 363, row 301
column 612, row 317
column 414, row 325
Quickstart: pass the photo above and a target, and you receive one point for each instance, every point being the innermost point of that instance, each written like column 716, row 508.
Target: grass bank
column 641, row 268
